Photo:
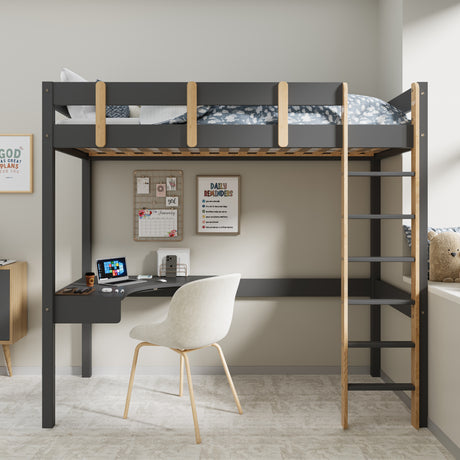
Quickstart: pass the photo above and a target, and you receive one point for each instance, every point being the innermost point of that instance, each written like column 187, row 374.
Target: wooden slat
column 191, row 114
column 242, row 152
column 344, row 261
column 283, row 114
column 415, row 251
column 100, row 114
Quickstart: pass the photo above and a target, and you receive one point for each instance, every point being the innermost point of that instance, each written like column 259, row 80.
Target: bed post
column 423, row 253
column 415, row 249
column 375, row 224
column 344, row 262
column 48, row 258
column 86, row 262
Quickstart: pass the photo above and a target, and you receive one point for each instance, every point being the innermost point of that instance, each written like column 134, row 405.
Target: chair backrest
column 200, row 312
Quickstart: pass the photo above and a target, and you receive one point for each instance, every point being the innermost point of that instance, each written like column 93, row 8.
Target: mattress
column 362, row 110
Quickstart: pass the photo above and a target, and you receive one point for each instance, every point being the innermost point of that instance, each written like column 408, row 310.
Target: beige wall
column 288, row 209
column 430, row 38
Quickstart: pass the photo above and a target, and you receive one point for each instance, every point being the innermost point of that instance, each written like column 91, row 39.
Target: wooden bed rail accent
column 283, row 108
column 191, row 114
column 415, row 251
column 344, row 261
column 100, row 114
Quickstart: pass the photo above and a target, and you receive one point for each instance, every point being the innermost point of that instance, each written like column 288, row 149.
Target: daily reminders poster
column 218, row 204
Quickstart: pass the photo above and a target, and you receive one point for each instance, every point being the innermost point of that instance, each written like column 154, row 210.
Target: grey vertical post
column 423, row 256
column 375, row 224
column 48, row 258
column 86, row 262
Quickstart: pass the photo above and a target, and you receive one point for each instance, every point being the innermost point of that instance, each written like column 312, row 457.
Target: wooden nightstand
column 13, row 306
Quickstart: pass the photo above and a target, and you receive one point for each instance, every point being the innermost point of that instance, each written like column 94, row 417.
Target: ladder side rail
column 344, row 259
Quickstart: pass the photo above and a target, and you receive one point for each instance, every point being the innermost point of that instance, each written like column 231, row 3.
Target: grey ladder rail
column 413, row 300
column 381, row 216
column 381, row 174
column 381, row 344
column 381, row 259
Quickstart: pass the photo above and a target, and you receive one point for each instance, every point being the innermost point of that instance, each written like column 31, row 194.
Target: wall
column 179, row 41
column 430, row 38
column 390, row 48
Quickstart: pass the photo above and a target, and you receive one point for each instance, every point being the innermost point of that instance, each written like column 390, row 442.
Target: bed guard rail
column 192, row 95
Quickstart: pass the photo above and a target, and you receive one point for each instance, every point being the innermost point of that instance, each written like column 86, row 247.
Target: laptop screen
column 112, row 269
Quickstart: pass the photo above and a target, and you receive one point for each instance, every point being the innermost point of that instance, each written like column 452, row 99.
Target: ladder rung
column 381, row 216
column 382, row 173
column 381, row 259
column 383, row 344
column 380, row 302
column 381, row 387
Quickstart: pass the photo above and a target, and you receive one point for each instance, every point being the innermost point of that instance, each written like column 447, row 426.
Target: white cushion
column 157, row 114
column 77, row 111
column 134, row 111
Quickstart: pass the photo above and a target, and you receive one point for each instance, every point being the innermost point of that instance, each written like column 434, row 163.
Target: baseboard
column 444, row 439
column 197, row 370
column 437, row 432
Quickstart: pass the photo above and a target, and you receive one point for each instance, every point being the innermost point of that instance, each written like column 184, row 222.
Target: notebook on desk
column 114, row 272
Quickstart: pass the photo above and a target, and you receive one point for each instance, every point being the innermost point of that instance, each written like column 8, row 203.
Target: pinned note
column 143, row 185
column 172, row 201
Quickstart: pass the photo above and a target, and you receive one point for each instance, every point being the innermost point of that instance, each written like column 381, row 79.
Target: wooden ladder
column 413, row 386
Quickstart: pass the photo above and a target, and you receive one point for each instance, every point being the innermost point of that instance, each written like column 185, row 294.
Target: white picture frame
column 218, row 204
column 16, row 163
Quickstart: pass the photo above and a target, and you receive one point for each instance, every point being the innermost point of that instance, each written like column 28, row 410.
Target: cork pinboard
column 158, row 205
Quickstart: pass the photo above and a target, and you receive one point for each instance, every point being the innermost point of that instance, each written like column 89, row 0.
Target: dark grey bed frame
column 71, row 139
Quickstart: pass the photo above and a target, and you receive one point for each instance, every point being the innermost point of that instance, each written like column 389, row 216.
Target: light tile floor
column 285, row 417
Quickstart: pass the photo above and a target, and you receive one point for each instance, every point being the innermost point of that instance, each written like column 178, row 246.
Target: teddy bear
column 444, row 256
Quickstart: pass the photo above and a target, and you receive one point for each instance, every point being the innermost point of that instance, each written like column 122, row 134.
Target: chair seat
column 155, row 333
column 162, row 335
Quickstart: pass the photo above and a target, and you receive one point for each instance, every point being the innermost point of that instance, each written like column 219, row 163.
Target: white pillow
column 81, row 112
column 157, row 114
column 134, row 111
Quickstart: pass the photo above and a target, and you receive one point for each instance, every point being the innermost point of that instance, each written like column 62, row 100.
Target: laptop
column 114, row 272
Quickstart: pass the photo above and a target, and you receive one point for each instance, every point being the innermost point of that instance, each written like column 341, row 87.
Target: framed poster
column 218, row 205
column 16, row 163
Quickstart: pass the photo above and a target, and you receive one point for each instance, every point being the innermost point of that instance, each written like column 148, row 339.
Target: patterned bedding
column 362, row 110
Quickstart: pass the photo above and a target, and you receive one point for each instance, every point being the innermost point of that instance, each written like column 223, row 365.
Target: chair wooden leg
column 181, row 378
column 131, row 378
column 192, row 398
column 229, row 377
column 6, row 352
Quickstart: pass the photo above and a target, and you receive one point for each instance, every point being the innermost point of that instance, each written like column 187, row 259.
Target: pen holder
column 89, row 279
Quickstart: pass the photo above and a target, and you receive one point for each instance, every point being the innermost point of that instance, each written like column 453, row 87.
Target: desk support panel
column 86, row 350
column 87, row 309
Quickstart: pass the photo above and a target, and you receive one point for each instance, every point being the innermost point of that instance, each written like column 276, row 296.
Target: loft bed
column 191, row 139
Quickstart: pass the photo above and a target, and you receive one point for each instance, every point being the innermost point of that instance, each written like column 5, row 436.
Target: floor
column 285, row 417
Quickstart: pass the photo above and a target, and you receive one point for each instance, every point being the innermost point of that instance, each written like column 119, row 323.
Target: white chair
column 200, row 314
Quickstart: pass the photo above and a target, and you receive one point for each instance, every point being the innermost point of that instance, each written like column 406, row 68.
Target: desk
column 100, row 307
column 105, row 307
